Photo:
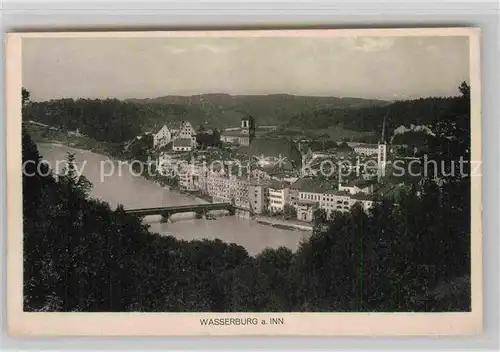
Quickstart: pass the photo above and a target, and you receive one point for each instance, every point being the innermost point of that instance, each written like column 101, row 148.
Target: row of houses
column 263, row 195
column 260, row 192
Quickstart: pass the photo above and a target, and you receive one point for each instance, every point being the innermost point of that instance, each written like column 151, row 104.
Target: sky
column 389, row 68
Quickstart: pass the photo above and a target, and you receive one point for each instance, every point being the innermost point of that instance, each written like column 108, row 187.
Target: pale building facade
column 279, row 196
column 306, row 209
column 358, row 186
column 258, row 197
column 186, row 131
column 162, row 137
column 366, row 149
column 167, row 161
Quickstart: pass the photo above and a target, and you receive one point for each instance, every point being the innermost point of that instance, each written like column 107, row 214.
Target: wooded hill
column 114, row 120
column 418, row 112
column 224, row 110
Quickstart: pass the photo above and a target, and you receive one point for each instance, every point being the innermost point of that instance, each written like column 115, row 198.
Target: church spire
column 382, row 153
column 382, row 137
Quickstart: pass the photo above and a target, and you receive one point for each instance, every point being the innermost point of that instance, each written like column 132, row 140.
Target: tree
column 25, row 96
column 73, row 179
column 464, row 89
column 319, row 220
column 289, row 212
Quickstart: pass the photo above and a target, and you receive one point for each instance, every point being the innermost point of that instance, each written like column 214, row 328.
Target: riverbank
column 83, row 144
column 284, row 224
column 46, row 134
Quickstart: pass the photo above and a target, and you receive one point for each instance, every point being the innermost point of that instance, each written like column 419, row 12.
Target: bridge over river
column 200, row 210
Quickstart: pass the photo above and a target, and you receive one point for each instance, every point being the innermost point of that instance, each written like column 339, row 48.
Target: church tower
column 382, row 154
column 248, row 129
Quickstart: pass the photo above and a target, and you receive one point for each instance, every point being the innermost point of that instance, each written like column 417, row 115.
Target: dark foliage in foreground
column 80, row 255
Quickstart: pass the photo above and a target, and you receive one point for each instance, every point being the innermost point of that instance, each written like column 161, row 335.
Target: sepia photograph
column 248, row 172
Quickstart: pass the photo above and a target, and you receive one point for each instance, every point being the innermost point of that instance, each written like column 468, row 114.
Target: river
column 136, row 192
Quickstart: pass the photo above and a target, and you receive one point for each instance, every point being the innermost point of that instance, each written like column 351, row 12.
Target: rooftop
column 166, row 148
column 233, row 134
column 366, row 145
column 338, row 193
column 283, row 149
column 172, row 125
column 361, row 196
column 312, row 185
column 275, row 184
column 182, row 142
column 306, row 202
column 392, row 192
column 360, row 183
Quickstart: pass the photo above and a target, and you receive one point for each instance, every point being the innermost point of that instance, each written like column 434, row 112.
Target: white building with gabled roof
column 162, row 137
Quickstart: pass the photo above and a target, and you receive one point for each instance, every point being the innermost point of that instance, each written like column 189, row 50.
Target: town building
column 332, row 201
column 309, row 189
column 162, row 137
column 182, row 145
column 186, row 131
column 366, row 149
column 243, row 136
column 365, row 200
column 187, row 178
column 358, row 186
column 258, row 198
column 343, row 201
column 306, row 209
column 167, row 160
column 278, row 196
column 309, row 194
column 239, row 192
column 219, row 188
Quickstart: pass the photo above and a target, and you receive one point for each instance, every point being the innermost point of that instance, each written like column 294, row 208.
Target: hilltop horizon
column 238, row 95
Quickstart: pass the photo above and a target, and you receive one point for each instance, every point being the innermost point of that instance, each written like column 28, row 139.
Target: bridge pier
column 200, row 214
column 165, row 217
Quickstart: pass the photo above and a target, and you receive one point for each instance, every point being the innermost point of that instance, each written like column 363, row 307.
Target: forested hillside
column 226, row 110
column 418, row 112
column 114, row 120
column 110, row 120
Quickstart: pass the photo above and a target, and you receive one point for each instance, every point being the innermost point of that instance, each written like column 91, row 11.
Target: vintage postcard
column 264, row 182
